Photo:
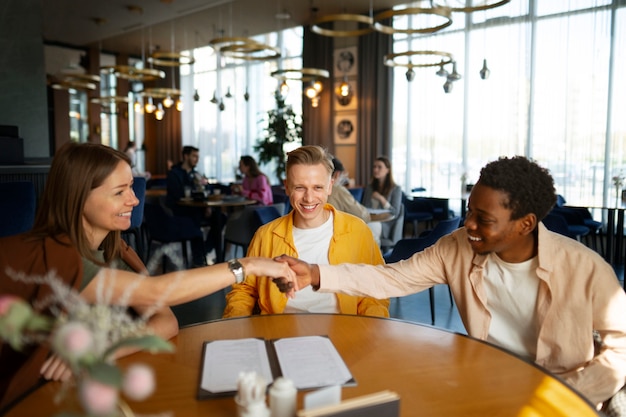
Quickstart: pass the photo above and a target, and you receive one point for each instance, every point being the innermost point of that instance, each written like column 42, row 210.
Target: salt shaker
column 283, row 398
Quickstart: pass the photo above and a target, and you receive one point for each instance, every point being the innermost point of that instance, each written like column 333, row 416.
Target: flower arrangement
column 86, row 337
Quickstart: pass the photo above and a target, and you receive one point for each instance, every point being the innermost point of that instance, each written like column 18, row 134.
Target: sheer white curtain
column 553, row 94
column 229, row 128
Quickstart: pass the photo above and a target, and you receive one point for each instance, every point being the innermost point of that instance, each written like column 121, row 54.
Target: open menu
column 309, row 361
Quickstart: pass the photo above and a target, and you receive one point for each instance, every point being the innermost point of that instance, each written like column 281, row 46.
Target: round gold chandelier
column 439, row 17
column 244, row 48
column 131, row 73
column 365, row 23
column 171, row 59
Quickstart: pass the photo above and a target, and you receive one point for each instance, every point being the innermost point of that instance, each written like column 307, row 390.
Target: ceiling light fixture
column 422, row 20
column 364, row 21
column 462, row 6
column 131, row 73
column 312, row 76
column 244, row 48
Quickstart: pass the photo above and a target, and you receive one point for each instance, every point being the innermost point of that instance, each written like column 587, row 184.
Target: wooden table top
column 435, row 372
column 217, row 203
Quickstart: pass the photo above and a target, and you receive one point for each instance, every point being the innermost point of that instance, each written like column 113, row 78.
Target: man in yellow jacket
column 314, row 231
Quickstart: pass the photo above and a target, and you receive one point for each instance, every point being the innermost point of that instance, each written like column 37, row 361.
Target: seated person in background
column 518, row 285
column 255, row 184
column 383, row 193
column 315, row 231
column 343, row 200
column 131, row 152
column 87, row 202
column 184, row 175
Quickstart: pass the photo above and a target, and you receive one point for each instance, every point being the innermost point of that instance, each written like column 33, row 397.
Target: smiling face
column 109, row 206
column 308, row 187
column 490, row 228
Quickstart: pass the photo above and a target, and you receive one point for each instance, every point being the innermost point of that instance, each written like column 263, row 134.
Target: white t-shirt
column 511, row 299
column 312, row 246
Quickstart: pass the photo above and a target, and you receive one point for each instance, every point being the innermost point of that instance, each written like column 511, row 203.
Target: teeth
column 474, row 239
column 309, row 207
column 124, row 215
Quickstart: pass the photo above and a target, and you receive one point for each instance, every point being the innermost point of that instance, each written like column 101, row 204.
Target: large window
column 553, row 94
column 233, row 97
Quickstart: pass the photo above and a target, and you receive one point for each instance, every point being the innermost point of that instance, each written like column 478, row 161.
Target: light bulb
column 447, row 86
column 137, row 106
column 315, row 101
column 344, row 89
column 159, row 112
column 442, row 71
column 179, row 104
column 150, row 107
column 284, row 88
column 196, row 96
column 317, row 85
column 310, row 92
column 168, row 102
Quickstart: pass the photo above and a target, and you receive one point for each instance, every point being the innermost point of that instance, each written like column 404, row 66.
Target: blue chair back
column 17, row 207
column 405, row 248
column 265, row 214
column 139, row 187
column 357, row 193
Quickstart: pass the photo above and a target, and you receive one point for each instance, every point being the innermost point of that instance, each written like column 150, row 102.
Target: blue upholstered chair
column 17, row 207
column 136, row 219
column 357, row 193
column 405, row 248
column 165, row 228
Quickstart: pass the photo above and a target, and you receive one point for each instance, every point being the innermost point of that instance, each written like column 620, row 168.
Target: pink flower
column 138, row 382
column 98, row 399
column 73, row 340
column 6, row 301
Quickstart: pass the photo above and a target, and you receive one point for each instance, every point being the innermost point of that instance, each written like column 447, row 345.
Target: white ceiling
column 115, row 26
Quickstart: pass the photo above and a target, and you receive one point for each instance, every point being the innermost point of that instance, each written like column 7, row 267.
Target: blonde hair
column 310, row 155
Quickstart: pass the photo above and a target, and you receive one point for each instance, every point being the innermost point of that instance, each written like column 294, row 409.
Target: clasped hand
column 303, row 275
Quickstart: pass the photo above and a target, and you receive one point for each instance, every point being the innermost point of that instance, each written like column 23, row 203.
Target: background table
column 436, row 372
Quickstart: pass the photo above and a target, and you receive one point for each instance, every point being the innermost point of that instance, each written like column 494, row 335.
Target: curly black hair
column 529, row 186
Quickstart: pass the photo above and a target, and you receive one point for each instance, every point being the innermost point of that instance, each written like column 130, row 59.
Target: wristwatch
column 237, row 269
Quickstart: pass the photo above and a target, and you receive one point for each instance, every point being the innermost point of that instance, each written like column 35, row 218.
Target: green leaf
column 150, row 343
column 106, row 373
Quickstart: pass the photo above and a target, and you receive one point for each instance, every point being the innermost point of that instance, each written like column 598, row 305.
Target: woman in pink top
column 255, row 184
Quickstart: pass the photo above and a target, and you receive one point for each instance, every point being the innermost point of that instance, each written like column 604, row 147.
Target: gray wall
column 23, row 99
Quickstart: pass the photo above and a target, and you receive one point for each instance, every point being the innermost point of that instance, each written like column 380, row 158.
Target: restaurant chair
column 265, row 214
column 415, row 212
column 136, row 219
column 239, row 229
column 396, row 232
column 17, row 207
column 405, row 248
column 165, row 228
column 357, row 193
column 558, row 224
column 283, row 198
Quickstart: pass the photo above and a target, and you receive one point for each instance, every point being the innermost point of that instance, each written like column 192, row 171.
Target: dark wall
column 23, row 100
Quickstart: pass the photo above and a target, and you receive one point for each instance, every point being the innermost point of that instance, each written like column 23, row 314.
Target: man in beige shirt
column 516, row 284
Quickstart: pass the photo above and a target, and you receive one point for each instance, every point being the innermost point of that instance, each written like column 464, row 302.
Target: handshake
column 301, row 274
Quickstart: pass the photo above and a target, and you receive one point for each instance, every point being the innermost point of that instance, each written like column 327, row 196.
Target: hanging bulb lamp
column 410, row 74
column 150, row 107
column 159, row 112
column 196, row 96
column 484, row 71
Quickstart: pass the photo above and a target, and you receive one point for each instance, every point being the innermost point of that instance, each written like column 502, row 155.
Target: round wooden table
column 435, row 372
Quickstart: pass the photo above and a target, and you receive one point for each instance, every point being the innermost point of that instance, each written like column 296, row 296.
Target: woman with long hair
column 383, row 193
column 86, row 204
column 255, row 184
